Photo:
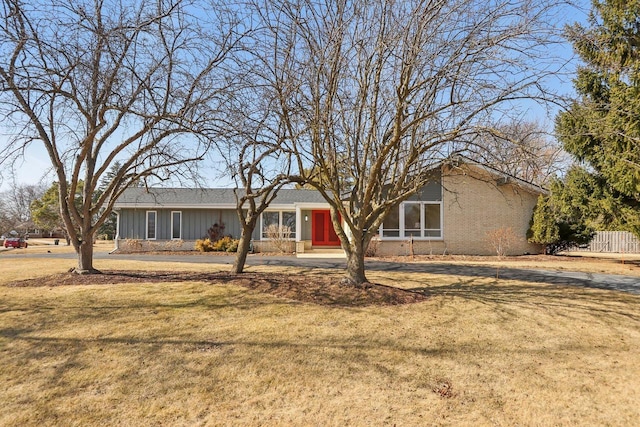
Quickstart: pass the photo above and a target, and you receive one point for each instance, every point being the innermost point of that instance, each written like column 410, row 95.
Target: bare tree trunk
column 85, row 257
column 243, row 249
column 355, row 268
column 355, row 250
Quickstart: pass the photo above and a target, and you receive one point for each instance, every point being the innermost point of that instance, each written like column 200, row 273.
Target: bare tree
column 521, row 149
column 391, row 89
column 15, row 213
column 256, row 191
column 97, row 82
column 251, row 145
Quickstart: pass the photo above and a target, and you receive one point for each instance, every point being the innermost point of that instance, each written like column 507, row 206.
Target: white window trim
column 280, row 212
column 172, row 236
column 146, row 225
column 401, row 218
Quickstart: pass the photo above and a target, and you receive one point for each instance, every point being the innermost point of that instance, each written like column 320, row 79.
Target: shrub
column 557, row 231
column 226, row 244
column 233, row 246
column 216, row 232
column 279, row 237
column 221, row 244
column 133, row 245
column 204, row 245
column 372, row 249
column 501, row 239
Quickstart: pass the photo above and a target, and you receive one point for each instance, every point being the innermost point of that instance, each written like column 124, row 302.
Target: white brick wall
column 473, row 204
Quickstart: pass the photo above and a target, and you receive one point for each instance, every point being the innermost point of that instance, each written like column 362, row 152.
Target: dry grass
column 44, row 245
column 478, row 352
column 628, row 265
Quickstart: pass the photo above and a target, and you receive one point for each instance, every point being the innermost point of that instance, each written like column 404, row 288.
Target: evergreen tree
column 558, row 223
column 108, row 229
column 45, row 211
column 602, row 127
column 544, row 229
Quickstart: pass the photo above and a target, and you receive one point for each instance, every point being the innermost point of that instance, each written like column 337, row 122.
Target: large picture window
column 391, row 225
column 151, row 225
column 176, row 225
column 278, row 224
column 432, row 221
column 412, row 223
column 418, row 220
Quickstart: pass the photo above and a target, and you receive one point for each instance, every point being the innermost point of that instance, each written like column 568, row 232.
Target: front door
column 322, row 232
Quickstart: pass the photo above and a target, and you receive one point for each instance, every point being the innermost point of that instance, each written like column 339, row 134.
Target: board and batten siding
column 131, row 223
column 195, row 223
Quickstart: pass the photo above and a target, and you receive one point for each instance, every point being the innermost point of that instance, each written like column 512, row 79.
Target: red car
column 15, row 242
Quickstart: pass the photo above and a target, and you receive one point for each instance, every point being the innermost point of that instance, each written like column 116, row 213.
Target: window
column 279, row 224
column 270, row 220
column 412, row 224
column 176, row 225
column 418, row 220
column 432, row 222
column 391, row 225
column 151, row 225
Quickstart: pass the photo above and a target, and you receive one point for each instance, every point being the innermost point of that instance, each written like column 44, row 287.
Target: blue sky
column 35, row 167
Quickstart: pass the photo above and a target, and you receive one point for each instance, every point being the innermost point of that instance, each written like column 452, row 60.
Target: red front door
column 322, row 232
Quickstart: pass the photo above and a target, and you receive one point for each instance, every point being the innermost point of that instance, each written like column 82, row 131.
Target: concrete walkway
column 564, row 278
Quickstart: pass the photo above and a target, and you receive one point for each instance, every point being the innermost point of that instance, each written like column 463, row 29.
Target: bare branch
column 135, row 83
column 375, row 94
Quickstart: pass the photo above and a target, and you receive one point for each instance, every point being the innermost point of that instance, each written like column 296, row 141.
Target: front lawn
column 477, row 351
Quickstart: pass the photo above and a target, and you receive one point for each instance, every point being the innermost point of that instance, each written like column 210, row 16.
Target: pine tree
column 556, row 224
column 45, row 211
column 544, row 229
column 602, row 127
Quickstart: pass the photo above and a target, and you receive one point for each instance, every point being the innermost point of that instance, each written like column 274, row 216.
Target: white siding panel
column 614, row 242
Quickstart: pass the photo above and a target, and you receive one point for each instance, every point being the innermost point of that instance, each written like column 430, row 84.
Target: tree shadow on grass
column 628, row 284
column 365, row 343
column 564, row 300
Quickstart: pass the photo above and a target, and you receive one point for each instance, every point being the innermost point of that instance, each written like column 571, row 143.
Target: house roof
column 224, row 198
column 140, row 197
column 503, row 177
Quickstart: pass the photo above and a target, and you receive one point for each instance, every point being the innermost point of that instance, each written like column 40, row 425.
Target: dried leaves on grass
column 312, row 288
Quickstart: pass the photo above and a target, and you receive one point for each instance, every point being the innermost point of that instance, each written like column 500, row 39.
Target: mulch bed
column 317, row 289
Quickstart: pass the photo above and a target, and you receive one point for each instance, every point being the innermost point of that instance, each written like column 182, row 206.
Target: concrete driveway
column 554, row 277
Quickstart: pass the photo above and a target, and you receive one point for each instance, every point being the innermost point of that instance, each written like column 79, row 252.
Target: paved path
column 591, row 280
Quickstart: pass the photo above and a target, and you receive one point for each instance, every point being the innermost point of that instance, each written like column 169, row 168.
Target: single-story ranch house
column 453, row 214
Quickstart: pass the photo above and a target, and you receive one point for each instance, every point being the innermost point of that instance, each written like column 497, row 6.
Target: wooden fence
column 613, row 242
